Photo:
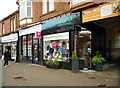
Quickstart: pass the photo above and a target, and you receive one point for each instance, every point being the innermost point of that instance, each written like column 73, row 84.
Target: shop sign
column 60, row 20
column 38, row 35
column 106, row 10
column 101, row 12
column 10, row 38
column 91, row 14
column 57, row 36
column 54, row 44
column 30, row 30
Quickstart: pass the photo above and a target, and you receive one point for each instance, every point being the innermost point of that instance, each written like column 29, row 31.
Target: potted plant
column 49, row 63
column 53, row 64
column 98, row 61
column 75, row 62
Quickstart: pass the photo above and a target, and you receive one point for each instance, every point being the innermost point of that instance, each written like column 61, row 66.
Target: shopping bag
column 2, row 57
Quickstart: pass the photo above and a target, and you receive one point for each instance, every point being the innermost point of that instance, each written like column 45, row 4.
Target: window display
column 24, row 46
column 13, row 50
column 56, row 46
column 35, row 49
column 30, row 47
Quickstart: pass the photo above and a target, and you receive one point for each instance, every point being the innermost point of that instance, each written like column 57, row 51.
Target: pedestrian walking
column 6, row 57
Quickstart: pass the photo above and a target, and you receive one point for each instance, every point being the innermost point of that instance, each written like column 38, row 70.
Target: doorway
column 84, row 48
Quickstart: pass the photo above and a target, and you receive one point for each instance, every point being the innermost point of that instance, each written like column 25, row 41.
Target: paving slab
column 26, row 74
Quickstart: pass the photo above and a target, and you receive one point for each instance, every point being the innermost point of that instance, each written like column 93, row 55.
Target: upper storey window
column 44, row 6
column 51, row 5
column 47, row 6
column 3, row 28
column 25, row 9
column 75, row 2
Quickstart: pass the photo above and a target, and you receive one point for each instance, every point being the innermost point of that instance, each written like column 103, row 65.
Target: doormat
column 87, row 71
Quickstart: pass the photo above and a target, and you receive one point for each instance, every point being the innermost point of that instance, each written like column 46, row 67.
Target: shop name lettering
column 115, row 6
column 55, row 36
column 90, row 11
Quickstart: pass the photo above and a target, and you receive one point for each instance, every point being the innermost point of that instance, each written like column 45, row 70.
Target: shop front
column 11, row 42
column 59, row 39
column 30, row 43
column 104, row 22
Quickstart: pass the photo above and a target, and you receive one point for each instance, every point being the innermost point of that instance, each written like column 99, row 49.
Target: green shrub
column 55, row 63
column 98, row 58
column 52, row 63
column 74, row 56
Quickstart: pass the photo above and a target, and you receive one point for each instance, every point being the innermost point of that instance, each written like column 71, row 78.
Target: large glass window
column 56, row 46
column 51, row 5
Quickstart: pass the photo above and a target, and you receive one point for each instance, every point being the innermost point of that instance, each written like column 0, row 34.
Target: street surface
column 26, row 74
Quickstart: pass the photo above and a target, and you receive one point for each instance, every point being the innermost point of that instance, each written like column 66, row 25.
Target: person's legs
column 7, row 62
column 4, row 62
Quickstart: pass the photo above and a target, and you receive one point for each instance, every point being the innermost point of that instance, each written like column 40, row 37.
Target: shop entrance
column 84, row 48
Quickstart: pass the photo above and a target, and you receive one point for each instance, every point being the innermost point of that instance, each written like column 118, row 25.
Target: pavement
column 27, row 74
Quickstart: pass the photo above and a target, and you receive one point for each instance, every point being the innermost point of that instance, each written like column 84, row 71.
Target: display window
column 56, row 46
column 29, row 49
column 35, row 49
column 13, row 50
column 24, row 46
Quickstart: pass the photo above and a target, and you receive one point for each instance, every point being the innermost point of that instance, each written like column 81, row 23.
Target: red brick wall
column 7, row 24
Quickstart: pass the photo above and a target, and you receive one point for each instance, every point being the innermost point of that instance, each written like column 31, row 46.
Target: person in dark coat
column 6, row 57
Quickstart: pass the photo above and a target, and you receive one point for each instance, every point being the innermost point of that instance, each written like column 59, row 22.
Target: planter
column 53, row 67
column 75, row 66
column 99, row 67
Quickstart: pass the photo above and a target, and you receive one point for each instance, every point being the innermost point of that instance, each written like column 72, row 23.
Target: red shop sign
column 54, row 44
column 38, row 35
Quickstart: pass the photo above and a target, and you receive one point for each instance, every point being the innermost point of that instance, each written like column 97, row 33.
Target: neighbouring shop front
column 104, row 20
column 30, row 44
column 11, row 42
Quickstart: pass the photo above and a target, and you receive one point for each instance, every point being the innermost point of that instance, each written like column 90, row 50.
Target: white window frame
column 3, row 28
column 14, row 22
column 11, row 24
column 51, row 5
column 29, row 6
column 44, row 6
column 75, row 2
column 25, row 9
